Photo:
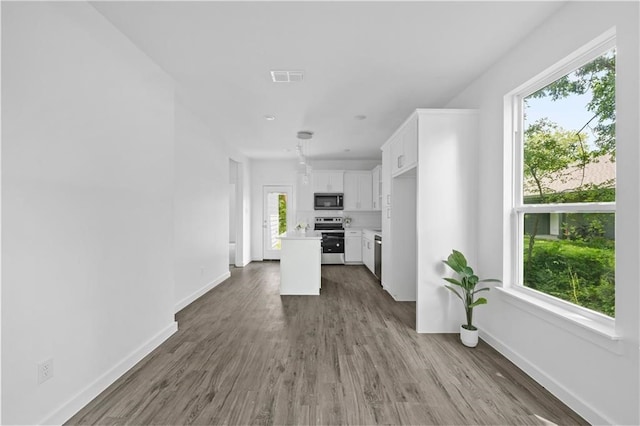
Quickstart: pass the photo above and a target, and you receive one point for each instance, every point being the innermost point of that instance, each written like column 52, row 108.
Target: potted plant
column 465, row 289
column 301, row 226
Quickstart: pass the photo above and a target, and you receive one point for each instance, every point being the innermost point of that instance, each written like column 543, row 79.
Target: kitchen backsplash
column 372, row 219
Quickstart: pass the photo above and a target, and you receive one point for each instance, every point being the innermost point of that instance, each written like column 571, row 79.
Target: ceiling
column 378, row 59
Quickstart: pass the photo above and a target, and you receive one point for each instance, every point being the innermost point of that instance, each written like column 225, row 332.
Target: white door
column 276, row 220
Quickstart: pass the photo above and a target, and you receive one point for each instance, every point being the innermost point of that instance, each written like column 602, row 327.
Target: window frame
column 514, row 200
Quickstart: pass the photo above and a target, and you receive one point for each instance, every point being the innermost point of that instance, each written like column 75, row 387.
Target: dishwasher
column 378, row 257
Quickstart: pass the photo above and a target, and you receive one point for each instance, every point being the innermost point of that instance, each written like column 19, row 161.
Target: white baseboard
column 242, row 265
column 198, row 293
column 557, row 389
column 401, row 298
column 69, row 409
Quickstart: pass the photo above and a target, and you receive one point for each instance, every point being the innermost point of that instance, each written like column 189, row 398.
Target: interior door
column 277, row 218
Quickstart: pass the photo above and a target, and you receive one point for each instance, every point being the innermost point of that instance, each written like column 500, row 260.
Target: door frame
column 268, row 254
column 236, row 176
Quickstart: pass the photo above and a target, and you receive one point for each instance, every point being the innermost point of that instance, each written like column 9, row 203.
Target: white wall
column 243, row 209
column 244, row 234
column 232, row 210
column 446, row 205
column 201, row 209
column 87, row 182
column 0, row 229
column 233, row 180
column 592, row 378
column 239, row 202
column 404, row 240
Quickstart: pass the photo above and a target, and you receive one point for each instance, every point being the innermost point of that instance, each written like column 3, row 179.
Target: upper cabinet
column 376, row 186
column 404, row 147
column 358, row 190
column 362, row 189
column 328, row 181
column 304, row 196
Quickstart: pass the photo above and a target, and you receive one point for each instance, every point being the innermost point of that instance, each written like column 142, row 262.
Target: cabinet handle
column 388, row 213
column 388, row 199
column 400, row 161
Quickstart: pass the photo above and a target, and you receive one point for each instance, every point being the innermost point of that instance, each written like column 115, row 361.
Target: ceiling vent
column 305, row 134
column 286, row 76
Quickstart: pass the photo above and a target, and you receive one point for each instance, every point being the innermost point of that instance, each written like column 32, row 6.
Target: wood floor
column 245, row 355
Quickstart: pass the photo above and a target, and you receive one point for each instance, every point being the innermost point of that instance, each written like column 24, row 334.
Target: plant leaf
column 458, row 258
column 481, row 289
column 480, row 301
column 446, row 262
column 453, row 265
column 453, row 281
column 490, row 280
column 466, row 284
column 456, row 261
column 454, row 290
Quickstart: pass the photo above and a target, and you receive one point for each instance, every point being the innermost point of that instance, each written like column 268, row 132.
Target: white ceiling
column 379, row 59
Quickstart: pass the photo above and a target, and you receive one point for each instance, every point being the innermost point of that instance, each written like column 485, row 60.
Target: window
column 565, row 182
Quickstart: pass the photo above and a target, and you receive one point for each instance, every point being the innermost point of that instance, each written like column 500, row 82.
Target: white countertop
column 373, row 231
column 301, row 235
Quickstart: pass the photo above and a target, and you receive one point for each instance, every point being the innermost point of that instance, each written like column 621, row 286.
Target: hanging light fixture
column 302, row 159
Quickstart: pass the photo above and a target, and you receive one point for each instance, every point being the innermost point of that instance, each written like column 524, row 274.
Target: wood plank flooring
column 245, row 355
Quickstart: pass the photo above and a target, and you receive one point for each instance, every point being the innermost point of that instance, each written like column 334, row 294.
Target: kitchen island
column 300, row 255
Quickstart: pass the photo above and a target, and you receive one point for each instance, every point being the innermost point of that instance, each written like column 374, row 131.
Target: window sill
column 603, row 335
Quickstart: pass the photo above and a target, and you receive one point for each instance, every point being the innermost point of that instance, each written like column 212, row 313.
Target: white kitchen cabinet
column 358, row 191
column 300, row 263
column 404, row 147
column 368, row 251
column 353, row 246
column 376, row 187
column 328, row 181
column 304, row 193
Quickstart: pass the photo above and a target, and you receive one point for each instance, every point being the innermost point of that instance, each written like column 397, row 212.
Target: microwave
column 323, row 201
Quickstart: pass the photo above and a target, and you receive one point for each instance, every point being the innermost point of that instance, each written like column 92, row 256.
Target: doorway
column 276, row 220
column 236, row 215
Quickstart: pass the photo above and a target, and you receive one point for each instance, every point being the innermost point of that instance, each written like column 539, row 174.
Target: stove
column 332, row 239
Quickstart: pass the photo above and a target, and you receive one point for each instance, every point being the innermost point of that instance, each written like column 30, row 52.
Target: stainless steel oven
column 332, row 239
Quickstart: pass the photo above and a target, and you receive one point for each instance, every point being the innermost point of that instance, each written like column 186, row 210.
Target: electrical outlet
column 45, row 371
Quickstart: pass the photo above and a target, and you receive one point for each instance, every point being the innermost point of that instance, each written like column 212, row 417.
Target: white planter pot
column 469, row 338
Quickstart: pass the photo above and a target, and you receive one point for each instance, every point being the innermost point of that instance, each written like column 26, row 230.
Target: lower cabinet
column 353, row 246
column 368, row 251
